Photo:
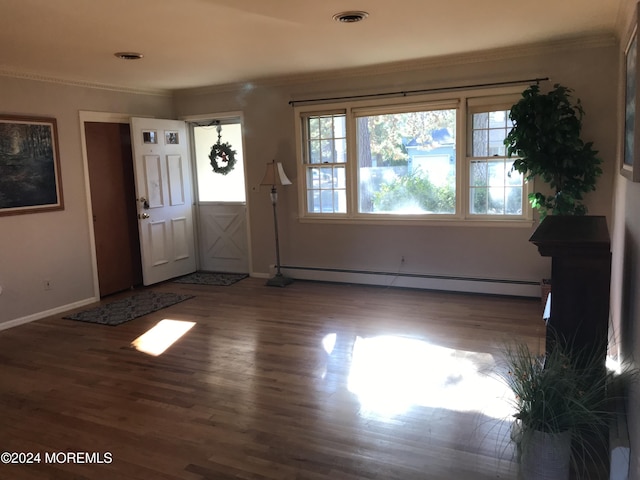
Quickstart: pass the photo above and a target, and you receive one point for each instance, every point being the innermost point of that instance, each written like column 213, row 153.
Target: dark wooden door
column 113, row 202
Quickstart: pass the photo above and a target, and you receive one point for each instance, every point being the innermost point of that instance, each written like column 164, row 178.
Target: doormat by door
column 211, row 278
column 121, row 311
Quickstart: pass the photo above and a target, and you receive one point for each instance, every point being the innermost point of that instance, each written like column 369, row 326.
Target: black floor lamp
column 273, row 177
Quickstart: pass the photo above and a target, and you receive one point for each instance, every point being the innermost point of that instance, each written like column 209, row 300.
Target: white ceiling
column 194, row 43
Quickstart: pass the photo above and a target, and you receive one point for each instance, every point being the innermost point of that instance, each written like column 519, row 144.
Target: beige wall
column 625, row 278
column 589, row 67
column 55, row 245
column 625, row 298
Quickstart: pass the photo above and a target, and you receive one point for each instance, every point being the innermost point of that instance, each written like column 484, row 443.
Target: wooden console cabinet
column 580, row 251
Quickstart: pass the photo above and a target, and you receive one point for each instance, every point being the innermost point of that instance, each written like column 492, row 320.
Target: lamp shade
column 274, row 175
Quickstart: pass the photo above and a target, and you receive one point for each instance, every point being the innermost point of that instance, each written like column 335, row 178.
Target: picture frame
column 149, row 137
column 30, row 174
column 171, row 137
column 630, row 155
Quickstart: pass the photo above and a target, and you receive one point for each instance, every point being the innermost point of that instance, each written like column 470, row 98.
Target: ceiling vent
column 129, row 55
column 350, row 17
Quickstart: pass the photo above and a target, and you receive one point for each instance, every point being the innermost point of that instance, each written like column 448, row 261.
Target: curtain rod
column 404, row 93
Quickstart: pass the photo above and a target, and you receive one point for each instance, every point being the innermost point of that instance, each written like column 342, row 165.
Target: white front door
column 222, row 208
column 164, row 198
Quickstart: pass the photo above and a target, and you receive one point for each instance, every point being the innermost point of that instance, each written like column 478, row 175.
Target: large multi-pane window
column 386, row 161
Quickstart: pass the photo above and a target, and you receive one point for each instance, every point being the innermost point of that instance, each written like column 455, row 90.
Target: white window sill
column 404, row 221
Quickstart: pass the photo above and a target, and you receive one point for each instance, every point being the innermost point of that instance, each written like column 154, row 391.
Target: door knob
column 143, row 216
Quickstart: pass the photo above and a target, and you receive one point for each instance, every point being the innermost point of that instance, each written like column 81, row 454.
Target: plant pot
column 545, row 456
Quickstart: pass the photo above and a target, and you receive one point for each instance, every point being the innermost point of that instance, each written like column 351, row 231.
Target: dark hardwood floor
column 314, row 381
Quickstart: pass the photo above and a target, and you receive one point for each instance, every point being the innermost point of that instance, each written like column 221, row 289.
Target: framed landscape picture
column 30, row 178
column 630, row 167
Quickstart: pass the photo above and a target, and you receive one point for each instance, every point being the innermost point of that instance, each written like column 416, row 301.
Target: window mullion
column 352, row 164
column 462, row 170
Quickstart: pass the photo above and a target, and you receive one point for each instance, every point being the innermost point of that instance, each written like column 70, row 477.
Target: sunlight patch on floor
column 161, row 336
column 329, row 342
column 391, row 374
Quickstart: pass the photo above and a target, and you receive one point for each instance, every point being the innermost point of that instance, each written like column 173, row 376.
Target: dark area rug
column 122, row 311
column 212, row 278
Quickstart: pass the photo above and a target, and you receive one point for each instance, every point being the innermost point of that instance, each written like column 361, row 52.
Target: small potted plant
column 546, row 141
column 562, row 410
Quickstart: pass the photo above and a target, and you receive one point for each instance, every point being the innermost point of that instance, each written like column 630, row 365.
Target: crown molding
column 15, row 73
column 499, row 54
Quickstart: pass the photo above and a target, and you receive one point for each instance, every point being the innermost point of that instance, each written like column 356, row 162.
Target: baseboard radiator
column 490, row 286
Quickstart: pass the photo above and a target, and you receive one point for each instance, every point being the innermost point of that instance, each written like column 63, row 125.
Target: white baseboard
column 259, row 275
column 46, row 313
column 421, row 281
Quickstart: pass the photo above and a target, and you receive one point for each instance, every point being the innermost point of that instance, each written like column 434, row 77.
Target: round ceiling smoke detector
column 129, row 55
column 350, row 17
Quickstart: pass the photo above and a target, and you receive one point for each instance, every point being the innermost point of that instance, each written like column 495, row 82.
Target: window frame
column 498, row 99
column 304, row 164
column 487, row 104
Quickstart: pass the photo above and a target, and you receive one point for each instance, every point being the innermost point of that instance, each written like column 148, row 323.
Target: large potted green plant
column 562, row 404
column 546, row 143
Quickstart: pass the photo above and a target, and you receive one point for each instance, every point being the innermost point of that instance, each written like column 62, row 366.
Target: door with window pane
column 221, row 206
